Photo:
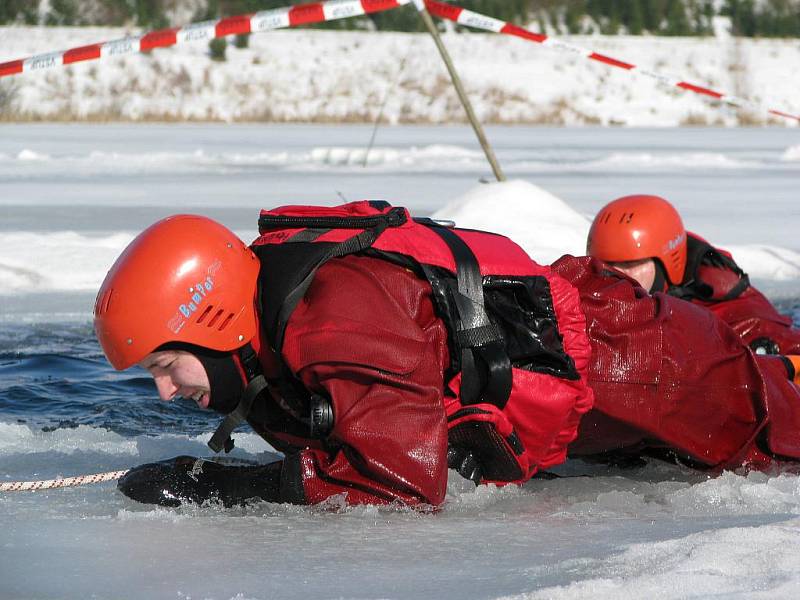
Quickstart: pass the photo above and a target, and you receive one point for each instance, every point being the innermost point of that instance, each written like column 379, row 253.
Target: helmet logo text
column 675, row 242
column 198, row 293
column 200, row 290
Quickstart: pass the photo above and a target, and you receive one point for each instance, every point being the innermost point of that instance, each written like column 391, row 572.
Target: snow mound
column 726, row 562
column 543, row 224
column 21, row 439
column 792, row 154
column 436, row 156
column 767, row 262
column 27, row 154
column 692, row 160
column 34, row 261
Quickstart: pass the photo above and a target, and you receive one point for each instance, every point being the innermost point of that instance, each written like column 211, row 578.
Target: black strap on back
column 699, row 252
column 256, row 384
column 293, row 263
column 357, row 243
column 738, row 289
column 478, row 338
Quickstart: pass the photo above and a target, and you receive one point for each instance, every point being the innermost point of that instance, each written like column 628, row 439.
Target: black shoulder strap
column 292, row 266
column 700, row 252
column 293, row 263
column 477, row 337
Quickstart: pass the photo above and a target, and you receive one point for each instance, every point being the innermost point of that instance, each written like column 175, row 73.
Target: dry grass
column 559, row 112
column 8, row 91
column 553, row 116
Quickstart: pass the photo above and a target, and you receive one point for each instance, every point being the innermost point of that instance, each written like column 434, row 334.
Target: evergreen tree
column 665, row 17
column 216, row 48
column 14, row 11
column 62, row 12
column 614, row 18
column 742, row 14
column 654, row 12
column 150, row 14
column 704, row 18
column 634, row 19
column 677, row 22
column 572, row 17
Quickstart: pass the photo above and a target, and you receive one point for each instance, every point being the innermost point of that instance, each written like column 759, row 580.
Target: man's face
column 178, row 373
column 643, row 271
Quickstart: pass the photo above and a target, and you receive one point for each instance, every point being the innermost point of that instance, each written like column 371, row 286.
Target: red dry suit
column 381, row 353
column 670, row 374
column 712, row 279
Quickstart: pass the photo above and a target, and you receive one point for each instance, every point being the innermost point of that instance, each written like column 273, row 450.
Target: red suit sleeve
column 668, row 373
column 750, row 314
column 376, row 348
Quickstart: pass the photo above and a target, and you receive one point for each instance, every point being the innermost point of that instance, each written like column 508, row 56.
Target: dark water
column 54, row 375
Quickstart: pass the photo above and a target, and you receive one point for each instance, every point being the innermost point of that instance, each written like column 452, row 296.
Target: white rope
column 24, row 486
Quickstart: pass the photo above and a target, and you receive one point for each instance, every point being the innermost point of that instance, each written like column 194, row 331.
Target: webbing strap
column 306, row 235
column 476, row 336
column 700, row 252
column 256, row 383
column 221, row 440
column 356, row 243
column 738, row 289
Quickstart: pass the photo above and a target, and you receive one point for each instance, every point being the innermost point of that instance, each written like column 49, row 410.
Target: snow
column 335, row 76
column 792, row 154
column 543, row 224
column 56, row 185
column 72, row 197
column 657, row 533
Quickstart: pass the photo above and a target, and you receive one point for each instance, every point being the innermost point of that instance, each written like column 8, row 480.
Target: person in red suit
column 372, row 349
column 375, row 351
column 643, row 236
column 685, row 284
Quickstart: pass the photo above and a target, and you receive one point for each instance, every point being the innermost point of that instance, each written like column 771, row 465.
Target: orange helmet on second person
column 184, row 279
column 637, row 227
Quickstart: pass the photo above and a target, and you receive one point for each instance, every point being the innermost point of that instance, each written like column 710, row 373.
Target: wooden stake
column 476, row 126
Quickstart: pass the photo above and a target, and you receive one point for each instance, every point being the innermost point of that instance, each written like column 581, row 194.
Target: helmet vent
column 216, row 317
column 103, row 302
column 226, row 322
column 204, row 314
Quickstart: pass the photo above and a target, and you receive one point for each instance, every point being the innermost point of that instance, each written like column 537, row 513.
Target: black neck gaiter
column 660, row 280
column 223, row 375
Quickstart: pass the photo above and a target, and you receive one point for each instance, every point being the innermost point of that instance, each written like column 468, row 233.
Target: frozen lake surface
column 72, row 196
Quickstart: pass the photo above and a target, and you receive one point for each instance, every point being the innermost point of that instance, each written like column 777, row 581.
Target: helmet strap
column 256, row 384
column 660, row 279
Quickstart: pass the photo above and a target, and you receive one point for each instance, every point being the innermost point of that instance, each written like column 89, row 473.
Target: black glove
column 188, row 479
column 463, row 461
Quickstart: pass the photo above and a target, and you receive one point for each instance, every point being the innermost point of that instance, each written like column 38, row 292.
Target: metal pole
column 487, row 149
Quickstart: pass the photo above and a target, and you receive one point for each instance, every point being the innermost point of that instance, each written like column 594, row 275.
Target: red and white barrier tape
column 330, row 10
column 25, row 486
column 279, row 18
column 462, row 16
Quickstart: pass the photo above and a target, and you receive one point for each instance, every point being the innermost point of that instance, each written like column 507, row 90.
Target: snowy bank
column 542, row 223
column 326, row 76
column 547, row 227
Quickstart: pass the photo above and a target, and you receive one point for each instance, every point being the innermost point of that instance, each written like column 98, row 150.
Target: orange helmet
column 184, row 279
column 637, row 227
